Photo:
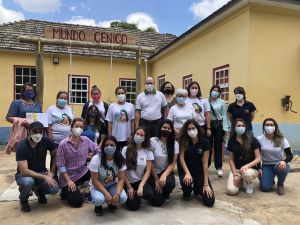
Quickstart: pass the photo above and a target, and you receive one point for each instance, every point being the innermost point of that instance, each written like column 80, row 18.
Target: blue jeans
column 26, row 184
column 268, row 174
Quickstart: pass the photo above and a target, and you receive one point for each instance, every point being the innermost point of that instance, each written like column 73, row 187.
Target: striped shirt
column 72, row 159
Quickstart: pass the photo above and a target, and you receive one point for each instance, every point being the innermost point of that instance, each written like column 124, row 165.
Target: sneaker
column 280, row 190
column 187, row 197
column 98, row 210
column 167, row 197
column 42, row 200
column 112, row 208
column 220, row 172
column 87, row 198
column 25, row 207
column 249, row 188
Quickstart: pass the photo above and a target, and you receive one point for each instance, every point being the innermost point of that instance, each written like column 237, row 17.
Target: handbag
column 215, row 124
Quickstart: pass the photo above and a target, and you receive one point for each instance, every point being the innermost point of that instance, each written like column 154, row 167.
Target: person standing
column 151, row 106
column 120, row 117
column 276, row 154
column 168, row 90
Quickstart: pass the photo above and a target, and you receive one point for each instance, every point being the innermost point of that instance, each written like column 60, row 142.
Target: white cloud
column 106, row 23
column 40, row 6
column 81, row 21
column 204, row 8
column 7, row 15
column 72, row 8
column 143, row 20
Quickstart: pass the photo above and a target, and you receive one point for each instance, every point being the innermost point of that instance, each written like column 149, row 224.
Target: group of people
column 126, row 152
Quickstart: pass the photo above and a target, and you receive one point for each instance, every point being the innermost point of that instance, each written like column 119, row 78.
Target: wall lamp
column 55, row 60
column 287, row 103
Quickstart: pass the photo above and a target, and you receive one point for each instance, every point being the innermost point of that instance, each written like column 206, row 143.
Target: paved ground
column 259, row 208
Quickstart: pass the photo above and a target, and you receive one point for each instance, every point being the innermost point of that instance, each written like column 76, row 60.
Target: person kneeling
column 107, row 175
column 32, row 173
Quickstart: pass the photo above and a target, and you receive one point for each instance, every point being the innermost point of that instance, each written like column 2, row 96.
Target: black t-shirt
column 194, row 153
column 242, row 112
column 236, row 148
column 36, row 157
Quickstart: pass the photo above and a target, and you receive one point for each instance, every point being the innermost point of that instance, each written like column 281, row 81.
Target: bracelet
column 208, row 128
column 117, row 194
column 205, row 184
column 235, row 175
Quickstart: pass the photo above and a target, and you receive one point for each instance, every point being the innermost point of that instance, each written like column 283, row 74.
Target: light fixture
column 55, row 60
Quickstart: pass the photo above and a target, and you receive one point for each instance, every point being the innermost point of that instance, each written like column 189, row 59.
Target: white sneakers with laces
column 220, row 172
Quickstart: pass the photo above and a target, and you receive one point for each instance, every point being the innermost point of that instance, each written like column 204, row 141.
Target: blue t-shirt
column 92, row 134
column 18, row 108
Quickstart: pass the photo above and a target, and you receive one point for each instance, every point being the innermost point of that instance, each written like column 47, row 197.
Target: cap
column 36, row 125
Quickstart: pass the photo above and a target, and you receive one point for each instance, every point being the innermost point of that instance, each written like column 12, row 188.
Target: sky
column 166, row 16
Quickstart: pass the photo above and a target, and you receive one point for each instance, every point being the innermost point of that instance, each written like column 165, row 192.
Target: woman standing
column 120, row 117
column 219, row 127
column 107, row 175
column 193, row 168
column 60, row 117
column 201, row 106
column 166, row 151
column 17, row 116
column 168, row 90
column 276, row 154
column 244, row 158
column 138, row 161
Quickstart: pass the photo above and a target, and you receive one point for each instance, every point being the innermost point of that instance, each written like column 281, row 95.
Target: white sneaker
column 249, row 188
column 220, row 172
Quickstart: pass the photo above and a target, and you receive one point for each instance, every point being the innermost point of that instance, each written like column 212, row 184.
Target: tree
column 124, row 25
column 151, row 29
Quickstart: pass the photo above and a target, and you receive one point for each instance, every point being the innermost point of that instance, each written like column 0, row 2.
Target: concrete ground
column 259, row 208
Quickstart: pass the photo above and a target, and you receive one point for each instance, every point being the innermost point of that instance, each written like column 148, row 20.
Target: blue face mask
column 240, row 130
column 109, row 150
column 214, row 94
column 181, row 100
column 29, row 94
column 61, row 102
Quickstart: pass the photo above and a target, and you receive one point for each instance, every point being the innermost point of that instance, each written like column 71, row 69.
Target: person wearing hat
column 32, row 174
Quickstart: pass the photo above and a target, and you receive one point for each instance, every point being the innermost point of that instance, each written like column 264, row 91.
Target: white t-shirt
column 270, row 153
column 101, row 108
column 161, row 154
column 121, row 117
column 150, row 105
column 202, row 105
column 178, row 115
column 143, row 155
column 106, row 176
column 60, row 119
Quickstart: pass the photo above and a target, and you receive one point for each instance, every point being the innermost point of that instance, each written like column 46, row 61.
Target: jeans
column 99, row 199
column 216, row 140
column 268, row 174
column 152, row 125
column 26, row 185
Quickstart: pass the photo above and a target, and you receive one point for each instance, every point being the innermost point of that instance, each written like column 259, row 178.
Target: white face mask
column 239, row 97
column 192, row 133
column 269, row 129
column 149, row 87
column 77, row 131
column 121, row 97
column 36, row 137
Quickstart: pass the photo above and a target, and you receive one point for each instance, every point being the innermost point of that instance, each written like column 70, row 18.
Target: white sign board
column 41, row 117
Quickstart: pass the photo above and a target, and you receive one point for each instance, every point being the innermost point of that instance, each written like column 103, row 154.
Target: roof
column 10, row 32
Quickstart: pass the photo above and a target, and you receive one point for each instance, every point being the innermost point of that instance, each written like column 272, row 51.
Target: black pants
column 197, row 187
column 167, row 189
column 148, row 194
column 216, row 140
column 75, row 198
column 121, row 145
column 152, row 125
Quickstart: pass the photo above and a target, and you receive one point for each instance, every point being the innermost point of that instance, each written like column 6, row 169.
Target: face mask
column 168, row 91
column 93, row 114
column 240, row 130
column 165, row 133
column 96, row 98
column 77, row 131
column 61, row 102
column 192, row 133
column 214, row 94
column 29, row 94
column 36, row 137
column 239, row 97
column 194, row 92
column 138, row 139
column 269, row 129
column 109, row 150
column 121, row 97
column 149, row 87
column 181, row 100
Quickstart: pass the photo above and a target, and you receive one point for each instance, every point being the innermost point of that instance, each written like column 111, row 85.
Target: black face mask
column 168, row 91
column 92, row 114
column 165, row 133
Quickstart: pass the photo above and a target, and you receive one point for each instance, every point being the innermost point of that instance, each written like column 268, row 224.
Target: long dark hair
column 170, row 140
column 246, row 139
column 118, row 158
column 162, row 87
column 240, row 90
column 278, row 136
column 131, row 153
column 97, row 125
column 199, row 94
column 212, row 88
column 184, row 138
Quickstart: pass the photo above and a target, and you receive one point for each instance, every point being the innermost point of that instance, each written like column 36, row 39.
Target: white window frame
column 186, row 80
column 83, row 90
column 160, row 80
column 131, row 92
column 220, row 75
column 17, row 95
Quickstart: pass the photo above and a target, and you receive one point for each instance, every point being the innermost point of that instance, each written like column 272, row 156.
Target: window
column 160, row 80
column 186, row 80
column 78, row 89
column 23, row 74
column 130, row 87
column 221, row 78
